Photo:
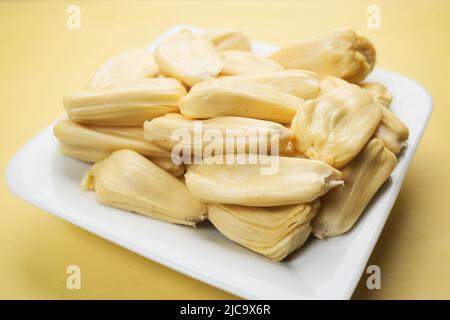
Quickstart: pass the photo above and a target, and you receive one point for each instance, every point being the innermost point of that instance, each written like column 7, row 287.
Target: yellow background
column 40, row 60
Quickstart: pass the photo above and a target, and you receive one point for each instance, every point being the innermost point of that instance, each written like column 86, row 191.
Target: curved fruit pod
column 95, row 143
column 129, row 65
column 274, row 232
column 289, row 181
column 188, row 57
column 229, row 134
column 342, row 206
column 128, row 181
column 301, row 83
column 126, row 103
column 392, row 131
column 238, row 98
column 341, row 53
column 334, row 127
column 236, row 62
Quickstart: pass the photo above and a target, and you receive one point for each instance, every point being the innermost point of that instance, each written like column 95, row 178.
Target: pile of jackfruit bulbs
column 333, row 138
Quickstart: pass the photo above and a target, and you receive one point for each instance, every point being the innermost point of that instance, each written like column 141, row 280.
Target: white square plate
column 328, row 269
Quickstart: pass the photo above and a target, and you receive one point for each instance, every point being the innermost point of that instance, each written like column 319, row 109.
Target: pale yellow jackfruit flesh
column 342, row 206
column 238, row 98
column 126, row 103
column 334, row 127
column 235, row 62
column 129, row 181
column 274, row 232
column 107, row 139
column 188, row 57
column 229, row 39
column 95, row 143
column 379, row 92
column 392, row 131
column 129, row 65
column 301, row 83
column 341, row 53
column 228, row 134
column 286, row 181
